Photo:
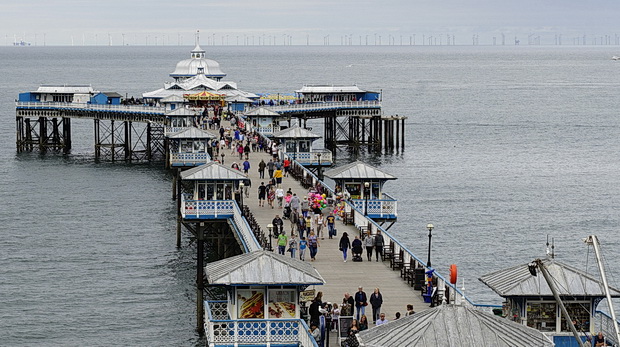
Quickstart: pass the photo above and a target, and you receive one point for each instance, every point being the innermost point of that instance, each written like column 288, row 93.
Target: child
column 335, row 316
column 303, row 244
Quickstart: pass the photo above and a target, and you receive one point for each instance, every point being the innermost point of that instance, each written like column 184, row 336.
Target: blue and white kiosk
column 297, row 144
column 363, row 185
column 189, row 147
column 263, row 296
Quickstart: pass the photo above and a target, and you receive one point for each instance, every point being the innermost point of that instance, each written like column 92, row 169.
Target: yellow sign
column 307, row 295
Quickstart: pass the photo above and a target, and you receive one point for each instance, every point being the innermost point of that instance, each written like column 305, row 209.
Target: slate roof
column 570, row 281
column 451, row 325
column 295, row 132
column 262, row 267
column 192, row 133
column 212, row 171
column 358, row 170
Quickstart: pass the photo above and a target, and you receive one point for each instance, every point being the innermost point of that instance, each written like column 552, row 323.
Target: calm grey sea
column 505, row 145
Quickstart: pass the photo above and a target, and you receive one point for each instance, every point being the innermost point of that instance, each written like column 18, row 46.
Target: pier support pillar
column 179, row 216
column 200, row 279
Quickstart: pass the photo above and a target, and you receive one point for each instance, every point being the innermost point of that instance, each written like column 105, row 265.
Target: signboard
column 344, row 325
column 282, row 303
column 250, row 303
column 307, row 295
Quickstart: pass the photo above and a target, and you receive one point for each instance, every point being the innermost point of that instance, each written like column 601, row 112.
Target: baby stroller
column 287, row 212
column 357, row 252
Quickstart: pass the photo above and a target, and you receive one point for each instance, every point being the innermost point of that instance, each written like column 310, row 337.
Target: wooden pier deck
column 340, row 277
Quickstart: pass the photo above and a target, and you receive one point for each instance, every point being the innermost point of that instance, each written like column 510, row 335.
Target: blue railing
column 68, row 106
column 223, row 331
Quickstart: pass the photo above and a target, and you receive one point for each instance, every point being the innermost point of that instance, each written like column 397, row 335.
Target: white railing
column 221, row 209
column 312, row 158
column 189, row 158
column 206, row 209
column 318, row 106
column 605, row 324
column 92, row 107
column 221, row 330
column 377, row 208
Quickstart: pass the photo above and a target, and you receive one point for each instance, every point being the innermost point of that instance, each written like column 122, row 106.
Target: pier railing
column 312, row 158
column 319, row 106
column 141, row 109
column 378, row 208
column 221, row 330
column 605, row 324
column 184, row 159
column 221, row 209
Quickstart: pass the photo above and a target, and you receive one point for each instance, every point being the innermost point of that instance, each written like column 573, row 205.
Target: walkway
column 341, row 277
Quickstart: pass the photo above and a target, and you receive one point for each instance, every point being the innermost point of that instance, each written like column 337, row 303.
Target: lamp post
column 270, row 228
column 366, row 193
column 241, row 185
column 430, row 235
column 319, row 170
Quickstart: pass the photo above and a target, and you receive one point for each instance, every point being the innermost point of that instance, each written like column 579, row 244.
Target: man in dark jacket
column 379, row 245
column 361, row 301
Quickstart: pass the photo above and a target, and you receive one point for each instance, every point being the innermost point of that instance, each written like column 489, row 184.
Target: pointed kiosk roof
column 182, row 111
column 358, row 170
column 192, row 133
column 212, row 171
column 570, row 281
column 295, row 132
column 262, row 268
column 262, row 111
column 451, row 325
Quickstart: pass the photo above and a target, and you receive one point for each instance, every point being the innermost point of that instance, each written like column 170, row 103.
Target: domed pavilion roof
column 197, row 64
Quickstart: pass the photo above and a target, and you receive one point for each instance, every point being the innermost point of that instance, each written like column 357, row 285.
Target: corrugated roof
column 192, row 133
column 173, row 98
column 262, row 111
column 183, row 111
column 358, row 170
column 569, row 281
column 325, row 88
column 295, row 132
column 262, row 267
column 450, row 325
column 212, row 171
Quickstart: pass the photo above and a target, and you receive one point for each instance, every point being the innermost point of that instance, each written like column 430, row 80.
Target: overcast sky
column 173, row 20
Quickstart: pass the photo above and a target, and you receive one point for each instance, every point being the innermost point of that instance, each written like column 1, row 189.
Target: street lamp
column 319, row 171
column 270, row 228
column 430, row 235
column 366, row 193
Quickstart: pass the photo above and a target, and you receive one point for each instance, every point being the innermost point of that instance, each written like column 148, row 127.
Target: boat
column 615, row 57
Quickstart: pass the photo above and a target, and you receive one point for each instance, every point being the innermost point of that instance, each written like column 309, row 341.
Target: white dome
column 198, row 64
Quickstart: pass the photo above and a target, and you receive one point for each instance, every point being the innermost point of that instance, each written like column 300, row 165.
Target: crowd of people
column 352, row 306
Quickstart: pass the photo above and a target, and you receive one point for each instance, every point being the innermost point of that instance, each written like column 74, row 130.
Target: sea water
column 505, row 146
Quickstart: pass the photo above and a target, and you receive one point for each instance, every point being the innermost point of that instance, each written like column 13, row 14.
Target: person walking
column 369, row 243
column 271, row 196
column 282, row 242
column 278, row 176
column 261, row 169
column 262, row 194
column 292, row 246
column 376, row 300
column 331, row 224
column 278, row 225
column 361, row 301
column 313, row 244
column 379, row 245
column 295, row 204
column 303, row 244
column 280, row 196
column 270, row 167
column 344, row 245
column 320, row 226
column 246, row 166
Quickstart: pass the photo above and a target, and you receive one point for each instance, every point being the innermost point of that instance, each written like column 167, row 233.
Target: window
column 541, row 315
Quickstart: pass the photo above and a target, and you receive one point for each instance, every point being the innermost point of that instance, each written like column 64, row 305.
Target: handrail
column 103, row 107
column 318, row 106
column 250, row 242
